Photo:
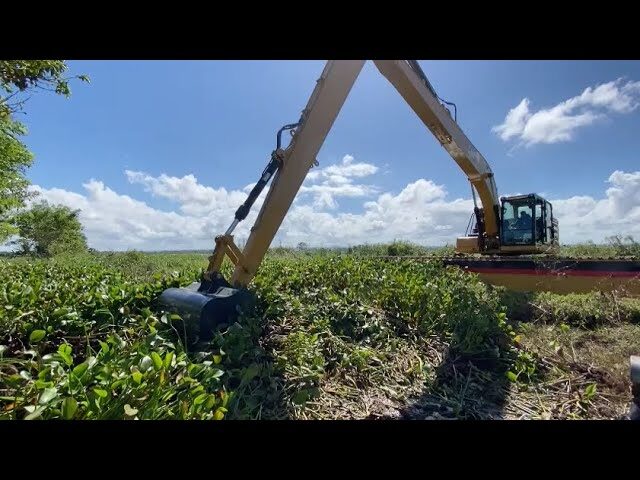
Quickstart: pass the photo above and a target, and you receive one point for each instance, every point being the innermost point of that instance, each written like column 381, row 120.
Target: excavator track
column 552, row 274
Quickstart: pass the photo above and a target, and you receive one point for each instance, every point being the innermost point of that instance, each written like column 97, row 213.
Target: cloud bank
column 421, row 212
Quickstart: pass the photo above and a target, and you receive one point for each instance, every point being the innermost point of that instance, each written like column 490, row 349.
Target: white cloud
column 421, row 212
column 338, row 181
column 560, row 122
column 514, row 122
column 349, row 169
column 115, row 222
column 585, row 218
column 193, row 197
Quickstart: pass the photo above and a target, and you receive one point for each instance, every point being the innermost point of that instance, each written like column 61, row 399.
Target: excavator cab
column 527, row 225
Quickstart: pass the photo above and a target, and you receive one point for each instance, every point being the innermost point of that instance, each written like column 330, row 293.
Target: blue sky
column 216, row 120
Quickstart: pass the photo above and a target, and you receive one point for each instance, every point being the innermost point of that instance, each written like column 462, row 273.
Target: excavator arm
column 294, row 162
column 214, row 297
column 411, row 82
column 291, row 165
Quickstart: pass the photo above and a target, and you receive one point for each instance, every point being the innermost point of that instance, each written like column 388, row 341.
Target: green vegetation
column 333, row 335
column 584, row 310
column 616, row 246
column 47, row 230
column 18, row 79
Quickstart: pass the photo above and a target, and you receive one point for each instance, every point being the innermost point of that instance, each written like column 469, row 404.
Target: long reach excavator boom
column 498, row 229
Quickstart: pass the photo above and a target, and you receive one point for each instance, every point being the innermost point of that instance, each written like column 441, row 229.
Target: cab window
column 517, row 222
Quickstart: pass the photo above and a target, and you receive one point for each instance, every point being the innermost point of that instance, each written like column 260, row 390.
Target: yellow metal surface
column 226, row 246
column 439, row 121
column 323, row 107
column 216, row 259
column 467, row 245
column 563, row 284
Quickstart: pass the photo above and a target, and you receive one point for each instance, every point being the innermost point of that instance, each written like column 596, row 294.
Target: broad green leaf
column 197, row 389
column 167, row 359
column 117, row 384
column 47, row 395
column 64, row 351
column 42, row 384
column 69, row 407
column 65, row 348
column 100, row 392
column 137, row 376
column 59, row 312
column 36, row 336
column 512, row 376
column 200, row 399
column 219, row 415
column 590, row 390
column 103, row 312
column 79, row 370
column 104, row 347
column 157, row 360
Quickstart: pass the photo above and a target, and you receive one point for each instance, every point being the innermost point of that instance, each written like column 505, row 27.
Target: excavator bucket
column 206, row 305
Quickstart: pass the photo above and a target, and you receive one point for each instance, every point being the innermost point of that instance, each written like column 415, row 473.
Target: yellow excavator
column 516, row 225
column 502, row 236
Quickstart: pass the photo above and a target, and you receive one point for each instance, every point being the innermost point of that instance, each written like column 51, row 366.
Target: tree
column 50, row 230
column 18, row 78
column 14, row 160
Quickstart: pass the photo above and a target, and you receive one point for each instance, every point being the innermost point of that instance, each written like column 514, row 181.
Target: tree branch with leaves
column 17, row 77
column 18, row 80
